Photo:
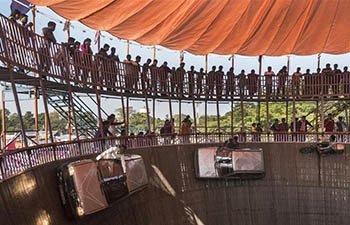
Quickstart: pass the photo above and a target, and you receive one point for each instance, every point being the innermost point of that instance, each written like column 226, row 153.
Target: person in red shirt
column 329, row 123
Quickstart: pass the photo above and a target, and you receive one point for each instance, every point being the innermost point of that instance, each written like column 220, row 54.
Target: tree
column 29, row 121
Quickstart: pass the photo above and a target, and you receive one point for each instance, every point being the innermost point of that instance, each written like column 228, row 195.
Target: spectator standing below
column 232, row 143
column 276, row 129
column 185, row 129
column 282, row 78
column 230, row 83
column 303, row 127
column 252, row 83
column 329, row 123
column 219, row 78
column 269, row 74
column 165, row 131
column 304, row 124
column 297, row 81
column 340, row 125
column 283, row 127
column 327, row 78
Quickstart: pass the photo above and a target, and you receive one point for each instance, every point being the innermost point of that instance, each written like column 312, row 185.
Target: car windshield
column 110, row 169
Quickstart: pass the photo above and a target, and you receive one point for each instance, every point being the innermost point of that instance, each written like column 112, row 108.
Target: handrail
column 96, row 71
column 17, row 161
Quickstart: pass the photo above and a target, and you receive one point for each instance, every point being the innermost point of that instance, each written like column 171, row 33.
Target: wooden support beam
column 206, row 117
column 154, row 115
column 127, row 115
column 218, row 117
column 3, row 120
column 232, row 117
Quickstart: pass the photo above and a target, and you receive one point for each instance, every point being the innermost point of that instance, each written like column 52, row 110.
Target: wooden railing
column 26, row 50
column 16, row 161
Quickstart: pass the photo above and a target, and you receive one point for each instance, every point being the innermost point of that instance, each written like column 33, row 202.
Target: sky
column 80, row 32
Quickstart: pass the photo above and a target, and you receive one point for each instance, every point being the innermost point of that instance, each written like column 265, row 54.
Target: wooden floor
column 24, row 79
column 298, row 189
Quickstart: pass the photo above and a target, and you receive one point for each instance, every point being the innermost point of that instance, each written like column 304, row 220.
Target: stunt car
column 218, row 163
column 90, row 185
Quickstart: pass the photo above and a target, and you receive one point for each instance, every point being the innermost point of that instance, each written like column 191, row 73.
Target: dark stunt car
column 88, row 186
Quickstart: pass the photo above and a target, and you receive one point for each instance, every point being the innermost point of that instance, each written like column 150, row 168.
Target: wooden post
column 147, row 111
column 233, row 61
column 322, row 113
column 170, row 108
column 69, row 122
column 127, row 115
column 3, row 120
column 294, row 115
column 154, row 52
column 154, row 114
column 218, row 117
column 267, row 116
column 259, row 88
column 35, row 91
column 194, row 117
column 231, row 117
column 68, row 29
column 317, row 116
column 242, row 116
column 319, row 60
column 36, row 115
column 179, row 113
column 206, row 63
column 98, row 100
column 180, row 55
column 127, row 47
column 287, row 111
column 46, row 130
column 206, row 117
column 288, row 63
column 123, row 110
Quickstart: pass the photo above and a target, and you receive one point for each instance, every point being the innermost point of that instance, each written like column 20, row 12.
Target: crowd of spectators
column 106, row 69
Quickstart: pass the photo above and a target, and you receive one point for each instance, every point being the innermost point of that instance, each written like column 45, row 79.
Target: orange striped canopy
column 245, row 27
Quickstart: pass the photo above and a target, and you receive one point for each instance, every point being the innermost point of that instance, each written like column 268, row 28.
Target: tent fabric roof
column 245, row 27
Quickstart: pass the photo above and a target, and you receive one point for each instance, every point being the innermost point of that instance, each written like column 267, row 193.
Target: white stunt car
column 87, row 186
column 219, row 163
